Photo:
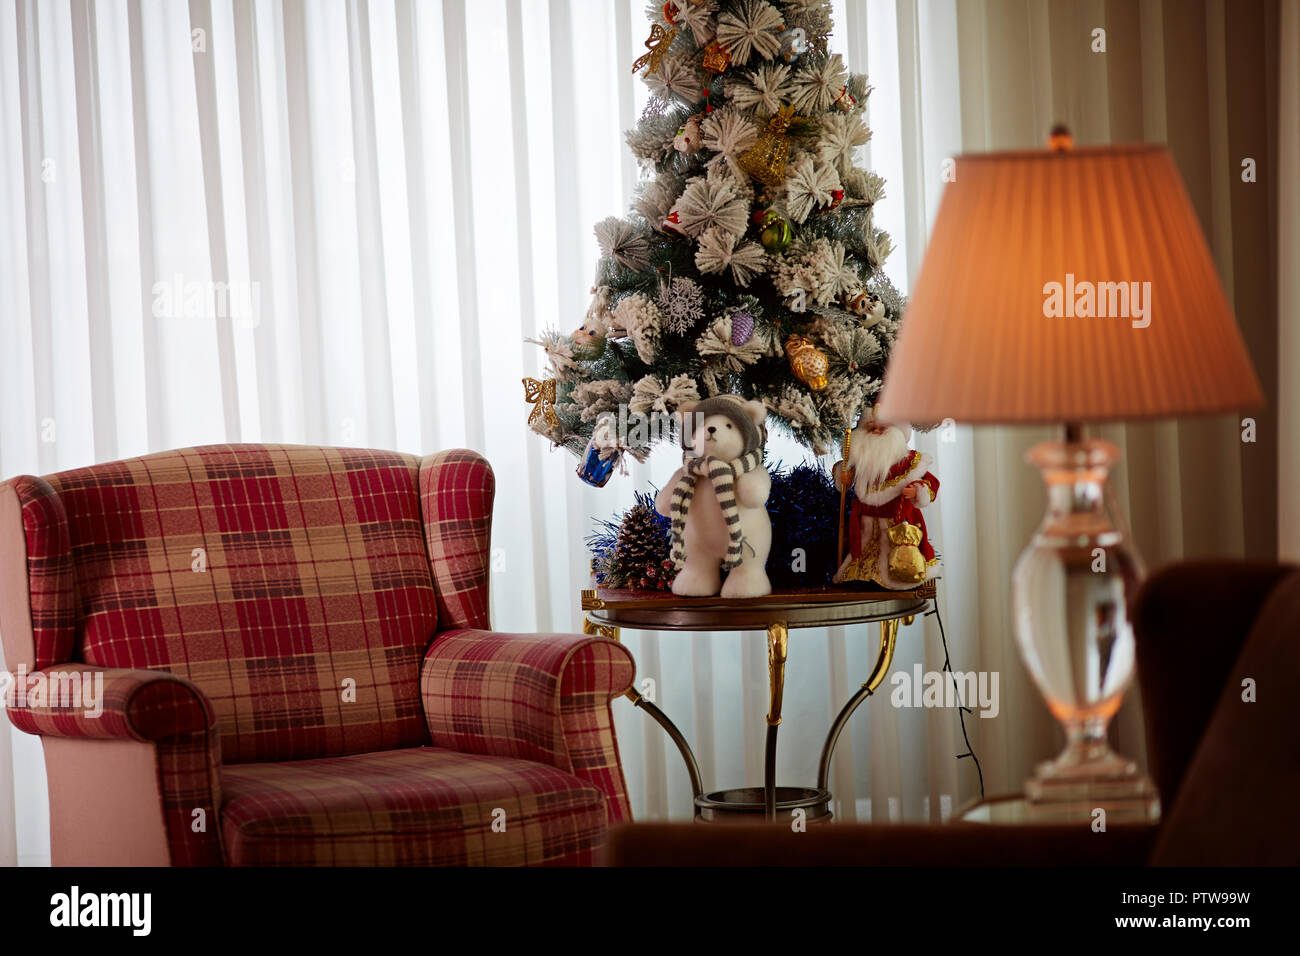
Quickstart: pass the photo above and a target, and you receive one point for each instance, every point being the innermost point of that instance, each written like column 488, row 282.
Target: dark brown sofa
column 1228, row 771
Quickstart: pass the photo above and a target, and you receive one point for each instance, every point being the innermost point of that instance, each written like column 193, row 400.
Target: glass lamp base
column 1071, row 592
column 1068, row 789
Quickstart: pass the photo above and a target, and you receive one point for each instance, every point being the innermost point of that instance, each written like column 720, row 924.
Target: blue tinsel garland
column 804, row 507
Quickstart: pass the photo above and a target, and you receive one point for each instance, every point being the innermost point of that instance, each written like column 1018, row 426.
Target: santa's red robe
column 884, row 506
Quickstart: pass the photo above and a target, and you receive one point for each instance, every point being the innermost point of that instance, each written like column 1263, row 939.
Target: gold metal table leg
column 885, row 659
column 683, row 747
column 777, row 647
column 604, row 630
column 777, row 643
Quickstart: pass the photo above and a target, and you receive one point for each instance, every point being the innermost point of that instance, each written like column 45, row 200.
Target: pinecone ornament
column 641, row 548
column 742, row 327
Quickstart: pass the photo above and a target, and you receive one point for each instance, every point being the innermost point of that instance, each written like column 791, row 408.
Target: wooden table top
column 797, row 608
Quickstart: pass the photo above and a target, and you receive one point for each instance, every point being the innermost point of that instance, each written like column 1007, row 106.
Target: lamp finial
column 1059, row 140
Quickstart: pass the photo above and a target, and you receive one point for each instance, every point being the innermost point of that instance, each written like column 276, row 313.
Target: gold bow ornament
column 658, row 43
column 542, row 397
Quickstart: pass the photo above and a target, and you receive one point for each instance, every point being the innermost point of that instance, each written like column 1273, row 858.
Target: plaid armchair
column 280, row 655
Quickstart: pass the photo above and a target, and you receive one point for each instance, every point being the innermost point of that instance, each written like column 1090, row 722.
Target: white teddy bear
column 717, row 500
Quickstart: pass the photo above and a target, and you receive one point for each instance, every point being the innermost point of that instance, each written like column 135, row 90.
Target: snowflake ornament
column 682, row 303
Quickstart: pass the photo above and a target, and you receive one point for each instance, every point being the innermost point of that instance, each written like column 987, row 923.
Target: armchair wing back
column 290, row 584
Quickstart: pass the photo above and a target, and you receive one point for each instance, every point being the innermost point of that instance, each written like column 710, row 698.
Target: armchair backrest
column 293, row 584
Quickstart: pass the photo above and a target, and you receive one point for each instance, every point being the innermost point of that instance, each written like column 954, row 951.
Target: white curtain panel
column 393, row 195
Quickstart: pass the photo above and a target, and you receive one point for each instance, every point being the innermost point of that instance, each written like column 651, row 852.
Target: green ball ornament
column 777, row 234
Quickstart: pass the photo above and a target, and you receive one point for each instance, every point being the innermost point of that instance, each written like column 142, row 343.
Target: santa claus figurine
column 891, row 484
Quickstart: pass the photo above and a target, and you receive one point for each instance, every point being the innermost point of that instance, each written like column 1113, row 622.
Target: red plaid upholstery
column 532, row 697
column 456, row 491
column 260, row 613
column 190, row 778
column 140, row 705
column 417, row 807
column 49, row 572
column 316, row 574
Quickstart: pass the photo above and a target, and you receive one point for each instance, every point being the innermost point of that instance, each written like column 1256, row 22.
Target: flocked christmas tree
column 749, row 262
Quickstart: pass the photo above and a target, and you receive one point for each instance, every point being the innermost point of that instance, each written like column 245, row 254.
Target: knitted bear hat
column 734, row 408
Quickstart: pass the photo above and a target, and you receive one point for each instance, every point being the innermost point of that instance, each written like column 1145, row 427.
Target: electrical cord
column 962, row 709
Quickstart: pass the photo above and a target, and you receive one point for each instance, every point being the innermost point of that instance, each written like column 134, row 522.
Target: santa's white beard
column 871, row 457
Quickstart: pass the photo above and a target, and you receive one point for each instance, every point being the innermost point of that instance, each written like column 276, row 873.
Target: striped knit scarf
column 723, row 474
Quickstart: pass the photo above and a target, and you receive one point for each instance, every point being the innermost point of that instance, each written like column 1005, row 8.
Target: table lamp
column 1071, row 285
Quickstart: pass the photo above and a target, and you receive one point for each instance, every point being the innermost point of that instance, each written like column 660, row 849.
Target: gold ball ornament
column 808, row 363
column 777, row 234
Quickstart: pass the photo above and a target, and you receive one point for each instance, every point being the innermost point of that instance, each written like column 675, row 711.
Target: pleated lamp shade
column 1067, row 286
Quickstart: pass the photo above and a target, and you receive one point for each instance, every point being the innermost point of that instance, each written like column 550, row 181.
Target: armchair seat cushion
column 423, row 806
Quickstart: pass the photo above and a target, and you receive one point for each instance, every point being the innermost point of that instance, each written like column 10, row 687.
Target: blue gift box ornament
column 595, row 470
column 602, row 454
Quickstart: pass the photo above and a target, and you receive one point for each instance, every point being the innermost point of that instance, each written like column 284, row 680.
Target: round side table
column 606, row 611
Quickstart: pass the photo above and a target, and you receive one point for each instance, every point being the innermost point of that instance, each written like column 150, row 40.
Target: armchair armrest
column 540, row 697
column 81, row 700
column 133, row 760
